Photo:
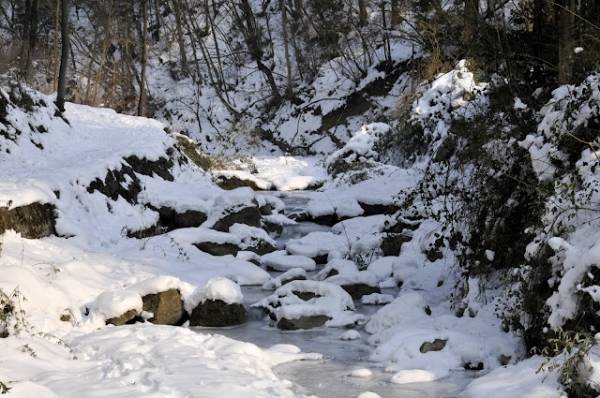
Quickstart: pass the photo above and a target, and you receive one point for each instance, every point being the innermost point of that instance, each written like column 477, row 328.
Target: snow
column 369, row 394
column 361, row 373
column 281, row 261
column 146, row 361
column 294, row 273
column 350, row 335
column 524, row 380
column 318, row 243
column 362, row 144
column 415, row 376
column 377, row 299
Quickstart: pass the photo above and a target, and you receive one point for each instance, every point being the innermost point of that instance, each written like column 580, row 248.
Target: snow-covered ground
column 66, row 287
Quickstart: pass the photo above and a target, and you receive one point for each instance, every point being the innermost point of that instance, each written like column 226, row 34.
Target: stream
column 330, row 377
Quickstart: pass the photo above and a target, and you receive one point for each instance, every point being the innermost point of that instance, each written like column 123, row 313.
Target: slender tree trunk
column 180, row 39
column 362, row 12
column 566, row 39
column 288, row 62
column 396, row 13
column 142, row 99
column 30, row 34
column 471, row 22
column 64, row 56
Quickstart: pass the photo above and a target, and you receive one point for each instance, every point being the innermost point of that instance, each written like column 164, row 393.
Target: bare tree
column 143, row 42
column 64, row 56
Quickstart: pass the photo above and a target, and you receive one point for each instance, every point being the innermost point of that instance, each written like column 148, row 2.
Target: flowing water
column 330, row 377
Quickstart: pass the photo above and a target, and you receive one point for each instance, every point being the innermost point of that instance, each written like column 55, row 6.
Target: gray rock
column 218, row 249
column 357, row 290
column 305, row 322
column 242, row 214
column 167, row 307
column 127, row 318
column 217, row 313
column 435, row 345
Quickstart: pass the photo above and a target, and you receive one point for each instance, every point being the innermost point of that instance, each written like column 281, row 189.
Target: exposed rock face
column 261, row 248
column 218, row 249
column 243, row 214
column 217, row 313
column 127, row 318
column 435, row 345
column 167, row 307
column 33, row 221
column 169, row 219
column 391, row 243
column 305, row 322
column 357, row 290
column 124, row 181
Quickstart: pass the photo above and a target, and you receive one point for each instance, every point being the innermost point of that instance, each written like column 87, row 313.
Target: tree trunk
column 64, row 56
column 142, row 99
column 288, row 63
column 180, row 39
column 252, row 36
column 362, row 13
column 471, row 22
column 566, row 39
column 396, row 13
column 30, row 37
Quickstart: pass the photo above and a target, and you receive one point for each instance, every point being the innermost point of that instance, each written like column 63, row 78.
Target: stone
column 261, row 248
column 306, row 296
column 371, row 209
column 232, row 182
column 217, row 313
column 357, row 290
column 166, row 307
column 127, row 318
column 218, row 249
column 305, row 322
column 391, row 243
column 32, row 221
column 243, row 214
column 435, row 345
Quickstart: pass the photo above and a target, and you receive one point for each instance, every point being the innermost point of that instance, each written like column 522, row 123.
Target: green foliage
column 567, row 352
column 195, row 155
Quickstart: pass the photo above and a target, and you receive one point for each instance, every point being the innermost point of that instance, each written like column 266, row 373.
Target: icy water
column 330, row 377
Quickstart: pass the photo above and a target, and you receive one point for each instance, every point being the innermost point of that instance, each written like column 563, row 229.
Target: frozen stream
column 330, row 377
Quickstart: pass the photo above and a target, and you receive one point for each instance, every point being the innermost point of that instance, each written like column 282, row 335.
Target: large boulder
column 304, row 322
column 217, row 313
column 357, row 290
column 248, row 214
column 303, row 304
column 218, row 249
column 32, row 221
column 166, row 307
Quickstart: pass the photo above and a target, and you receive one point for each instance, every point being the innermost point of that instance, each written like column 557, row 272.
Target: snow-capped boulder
column 243, row 213
column 309, row 304
column 281, row 261
column 218, row 304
